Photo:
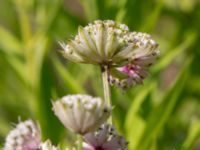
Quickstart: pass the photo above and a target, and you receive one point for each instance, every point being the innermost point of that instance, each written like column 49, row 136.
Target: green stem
column 106, row 88
column 80, row 142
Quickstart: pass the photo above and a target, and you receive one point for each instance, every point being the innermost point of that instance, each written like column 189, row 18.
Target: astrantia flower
column 81, row 113
column 47, row 146
column 107, row 43
column 106, row 138
column 136, row 70
column 101, row 42
column 26, row 136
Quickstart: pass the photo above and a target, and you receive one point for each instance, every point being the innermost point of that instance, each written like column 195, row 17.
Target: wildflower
column 101, row 42
column 106, row 138
column 136, row 70
column 26, row 136
column 47, row 146
column 81, row 113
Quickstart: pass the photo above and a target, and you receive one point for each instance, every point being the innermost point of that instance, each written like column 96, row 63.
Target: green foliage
column 163, row 113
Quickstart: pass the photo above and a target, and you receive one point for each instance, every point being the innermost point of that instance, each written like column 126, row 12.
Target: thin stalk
column 106, row 88
column 80, row 142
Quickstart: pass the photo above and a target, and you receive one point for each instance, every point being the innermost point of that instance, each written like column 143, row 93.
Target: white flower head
column 81, row 113
column 136, row 70
column 106, row 138
column 25, row 136
column 98, row 43
column 47, row 146
column 107, row 43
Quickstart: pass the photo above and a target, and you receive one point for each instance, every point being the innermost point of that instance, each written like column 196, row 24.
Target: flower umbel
column 136, row 70
column 47, row 146
column 101, row 42
column 81, row 113
column 26, row 136
column 106, row 138
column 108, row 43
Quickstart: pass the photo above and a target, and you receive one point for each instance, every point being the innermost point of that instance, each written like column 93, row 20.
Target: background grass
column 162, row 114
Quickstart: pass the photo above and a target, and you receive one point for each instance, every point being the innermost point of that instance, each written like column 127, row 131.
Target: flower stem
column 106, row 88
column 80, row 142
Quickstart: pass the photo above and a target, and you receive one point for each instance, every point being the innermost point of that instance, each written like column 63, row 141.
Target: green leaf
column 35, row 56
column 153, row 17
column 48, row 120
column 46, row 14
column 135, row 105
column 134, row 124
column 67, row 77
column 166, row 59
column 122, row 10
column 160, row 115
column 9, row 43
column 193, row 134
column 90, row 8
column 17, row 65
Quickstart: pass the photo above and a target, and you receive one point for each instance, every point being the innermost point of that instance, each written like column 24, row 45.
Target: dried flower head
column 101, row 42
column 136, row 70
column 26, row 136
column 81, row 113
column 47, row 146
column 106, row 138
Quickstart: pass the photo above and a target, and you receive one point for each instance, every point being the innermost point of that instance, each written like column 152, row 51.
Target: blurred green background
column 162, row 114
